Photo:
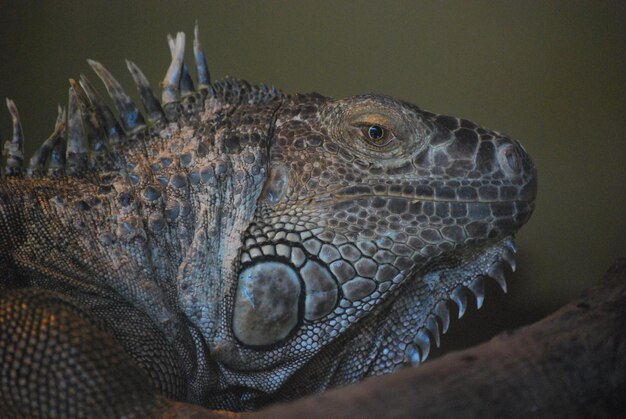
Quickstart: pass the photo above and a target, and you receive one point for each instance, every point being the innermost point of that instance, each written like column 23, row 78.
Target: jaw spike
column 422, row 340
column 132, row 120
column 412, row 355
column 511, row 245
column 171, row 92
column 433, row 327
column 56, row 164
column 460, row 299
column 508, row 257
column 441, row 310
column 14, row 149
column 150, row 102
column 478, row 288
column 204, row 77
column 112, row 129
column 496, row 273
column 186, row 83
column 38, row 160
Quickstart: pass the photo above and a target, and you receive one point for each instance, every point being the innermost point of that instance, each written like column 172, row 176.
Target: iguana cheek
column 266, row 303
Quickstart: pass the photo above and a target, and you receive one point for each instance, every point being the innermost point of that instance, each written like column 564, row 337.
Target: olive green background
column 549, row 73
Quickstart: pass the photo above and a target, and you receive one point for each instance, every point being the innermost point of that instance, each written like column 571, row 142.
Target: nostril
column 510, row 159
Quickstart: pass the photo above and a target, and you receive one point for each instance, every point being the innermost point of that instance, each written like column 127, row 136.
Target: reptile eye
column 375, row 132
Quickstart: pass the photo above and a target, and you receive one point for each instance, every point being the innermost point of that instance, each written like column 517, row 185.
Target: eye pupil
column 375, row 132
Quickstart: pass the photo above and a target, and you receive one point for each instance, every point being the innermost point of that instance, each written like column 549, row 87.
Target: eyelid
column 362, row 122
column 374, row 118
column 371, row 118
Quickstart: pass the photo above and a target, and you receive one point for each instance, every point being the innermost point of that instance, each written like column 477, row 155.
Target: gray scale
column 312, row 246
column 358, row 288
column 321, row 290
column 342, row 270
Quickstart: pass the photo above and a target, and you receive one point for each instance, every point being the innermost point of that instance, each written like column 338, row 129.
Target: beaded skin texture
column 234, row 245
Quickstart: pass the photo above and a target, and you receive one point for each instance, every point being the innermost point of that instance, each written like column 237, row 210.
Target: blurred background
column 551, row 74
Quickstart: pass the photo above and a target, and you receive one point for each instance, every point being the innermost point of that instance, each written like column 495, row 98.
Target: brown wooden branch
column 570, row 364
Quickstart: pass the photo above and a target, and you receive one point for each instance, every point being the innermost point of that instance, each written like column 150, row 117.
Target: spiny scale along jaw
column 375, row 214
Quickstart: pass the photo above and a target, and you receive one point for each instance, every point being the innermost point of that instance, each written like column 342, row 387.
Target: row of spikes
column 418, row 351
column 88, row 116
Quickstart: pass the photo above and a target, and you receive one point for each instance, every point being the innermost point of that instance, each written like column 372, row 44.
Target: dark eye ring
column 375, row 132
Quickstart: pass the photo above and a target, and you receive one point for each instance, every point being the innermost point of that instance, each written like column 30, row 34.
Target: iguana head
column 373, row 215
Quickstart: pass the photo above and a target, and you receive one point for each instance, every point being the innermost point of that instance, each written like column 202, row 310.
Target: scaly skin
column 241, row 246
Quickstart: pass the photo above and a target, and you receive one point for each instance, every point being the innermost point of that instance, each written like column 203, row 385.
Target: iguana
column 238, row 245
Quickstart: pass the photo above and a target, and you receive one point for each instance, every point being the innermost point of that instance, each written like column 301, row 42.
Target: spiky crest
column 88, row 138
